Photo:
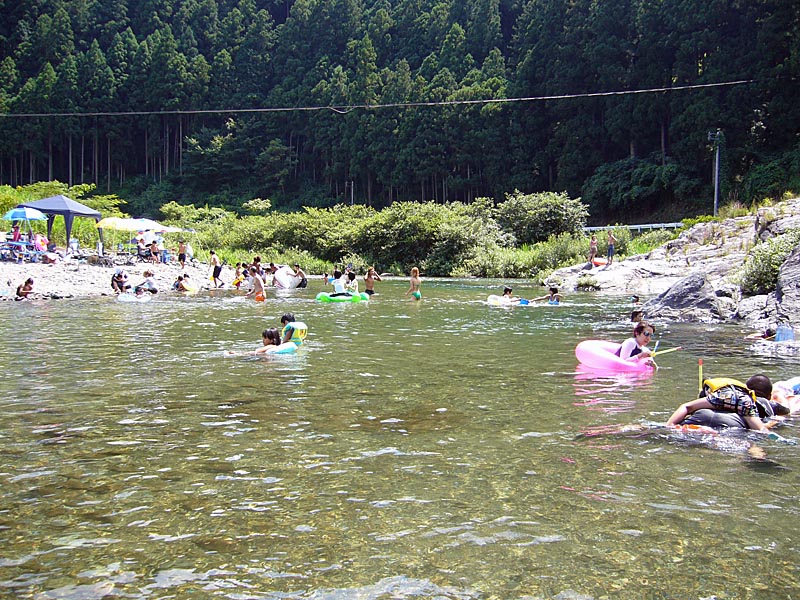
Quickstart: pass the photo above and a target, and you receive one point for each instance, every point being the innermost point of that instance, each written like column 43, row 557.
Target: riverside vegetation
column 525, row 236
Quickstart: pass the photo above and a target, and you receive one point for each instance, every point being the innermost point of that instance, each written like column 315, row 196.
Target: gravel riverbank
column 72, row 278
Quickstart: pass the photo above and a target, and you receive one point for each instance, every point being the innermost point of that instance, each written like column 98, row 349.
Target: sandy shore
column 71, row 278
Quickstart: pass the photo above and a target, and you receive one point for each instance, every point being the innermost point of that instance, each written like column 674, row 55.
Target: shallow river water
column 439, row 448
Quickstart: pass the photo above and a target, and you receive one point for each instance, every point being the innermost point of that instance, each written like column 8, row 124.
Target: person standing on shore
column 611, row 243
column 592, row 249
column 216, row 266
column 369, row 281
column 182, row 253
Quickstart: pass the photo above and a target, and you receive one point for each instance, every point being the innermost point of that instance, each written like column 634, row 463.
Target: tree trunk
column 108, row 164
column 50, row 155
column 96, row 157
column 83, row 156
column 69, row 162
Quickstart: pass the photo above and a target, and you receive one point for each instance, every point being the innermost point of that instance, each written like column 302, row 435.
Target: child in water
column 552, row 298
column 415, row 282
column 509, row 298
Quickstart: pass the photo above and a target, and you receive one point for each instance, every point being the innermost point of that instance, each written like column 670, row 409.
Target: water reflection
column 428, row 449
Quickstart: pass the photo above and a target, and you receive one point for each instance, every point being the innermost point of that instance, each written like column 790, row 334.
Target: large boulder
column 787, row 292
column 693, row 298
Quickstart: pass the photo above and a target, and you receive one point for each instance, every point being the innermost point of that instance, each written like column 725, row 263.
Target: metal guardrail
column 637, row 228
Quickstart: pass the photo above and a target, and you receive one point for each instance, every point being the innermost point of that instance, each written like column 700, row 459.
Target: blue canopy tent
column 66, row 207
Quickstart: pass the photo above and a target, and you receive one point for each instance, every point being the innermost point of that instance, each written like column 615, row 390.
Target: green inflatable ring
column 326, row 297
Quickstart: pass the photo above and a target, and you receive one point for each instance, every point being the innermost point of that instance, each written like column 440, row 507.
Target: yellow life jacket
column 299, row 332
column 715, row 384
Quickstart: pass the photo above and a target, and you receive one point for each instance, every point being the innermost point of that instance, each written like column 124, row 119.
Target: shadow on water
column 440, row 448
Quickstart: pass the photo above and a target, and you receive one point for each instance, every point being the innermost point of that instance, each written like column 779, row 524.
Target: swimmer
column 369, row 281
column 508, row 297
column 415, row 284
column 635, row 348
column 351, row 284
column 552, row 298
column 732, row 399
column 289, row 333
column 258, row 286
column 338, row 283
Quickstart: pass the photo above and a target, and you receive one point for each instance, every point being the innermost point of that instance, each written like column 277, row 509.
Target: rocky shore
column 693, row 278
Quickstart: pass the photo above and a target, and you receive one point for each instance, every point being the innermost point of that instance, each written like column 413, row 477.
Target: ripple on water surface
column 440, row 448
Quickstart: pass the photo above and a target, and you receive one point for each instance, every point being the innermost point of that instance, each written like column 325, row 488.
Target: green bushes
column 760, row 273
column 642, row 244
column 535, row 217
column 534, row 261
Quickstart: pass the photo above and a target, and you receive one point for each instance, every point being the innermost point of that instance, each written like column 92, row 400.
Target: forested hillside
column 312, row 102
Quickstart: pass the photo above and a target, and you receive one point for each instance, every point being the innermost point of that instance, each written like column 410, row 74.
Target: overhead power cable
column 344, row 109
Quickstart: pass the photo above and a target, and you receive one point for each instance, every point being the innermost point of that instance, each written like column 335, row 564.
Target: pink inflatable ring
column 599, row 354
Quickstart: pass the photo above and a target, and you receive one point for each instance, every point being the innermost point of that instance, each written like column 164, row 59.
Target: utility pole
column 715, row 137
column 350, row 185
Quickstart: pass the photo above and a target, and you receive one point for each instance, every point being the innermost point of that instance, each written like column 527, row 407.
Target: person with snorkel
column 734, row 399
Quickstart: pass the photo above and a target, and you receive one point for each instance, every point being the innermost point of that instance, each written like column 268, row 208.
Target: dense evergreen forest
column 318, row 102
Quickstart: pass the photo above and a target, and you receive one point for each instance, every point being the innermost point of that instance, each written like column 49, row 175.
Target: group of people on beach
column 121, row 285
column 155, row 251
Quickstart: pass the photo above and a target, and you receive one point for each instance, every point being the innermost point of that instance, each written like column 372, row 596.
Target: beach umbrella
column 121, row 224
column 24, row 213
column 111, row 223
column 149, row 225
column 27, row 214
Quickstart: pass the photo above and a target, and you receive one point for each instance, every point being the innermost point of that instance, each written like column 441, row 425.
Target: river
column 439, row 448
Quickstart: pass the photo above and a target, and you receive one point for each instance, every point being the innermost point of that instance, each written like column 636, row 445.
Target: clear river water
column 440, row 448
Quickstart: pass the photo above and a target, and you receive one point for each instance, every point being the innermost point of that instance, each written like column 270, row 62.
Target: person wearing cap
column 298, row 272
column 119, row 281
